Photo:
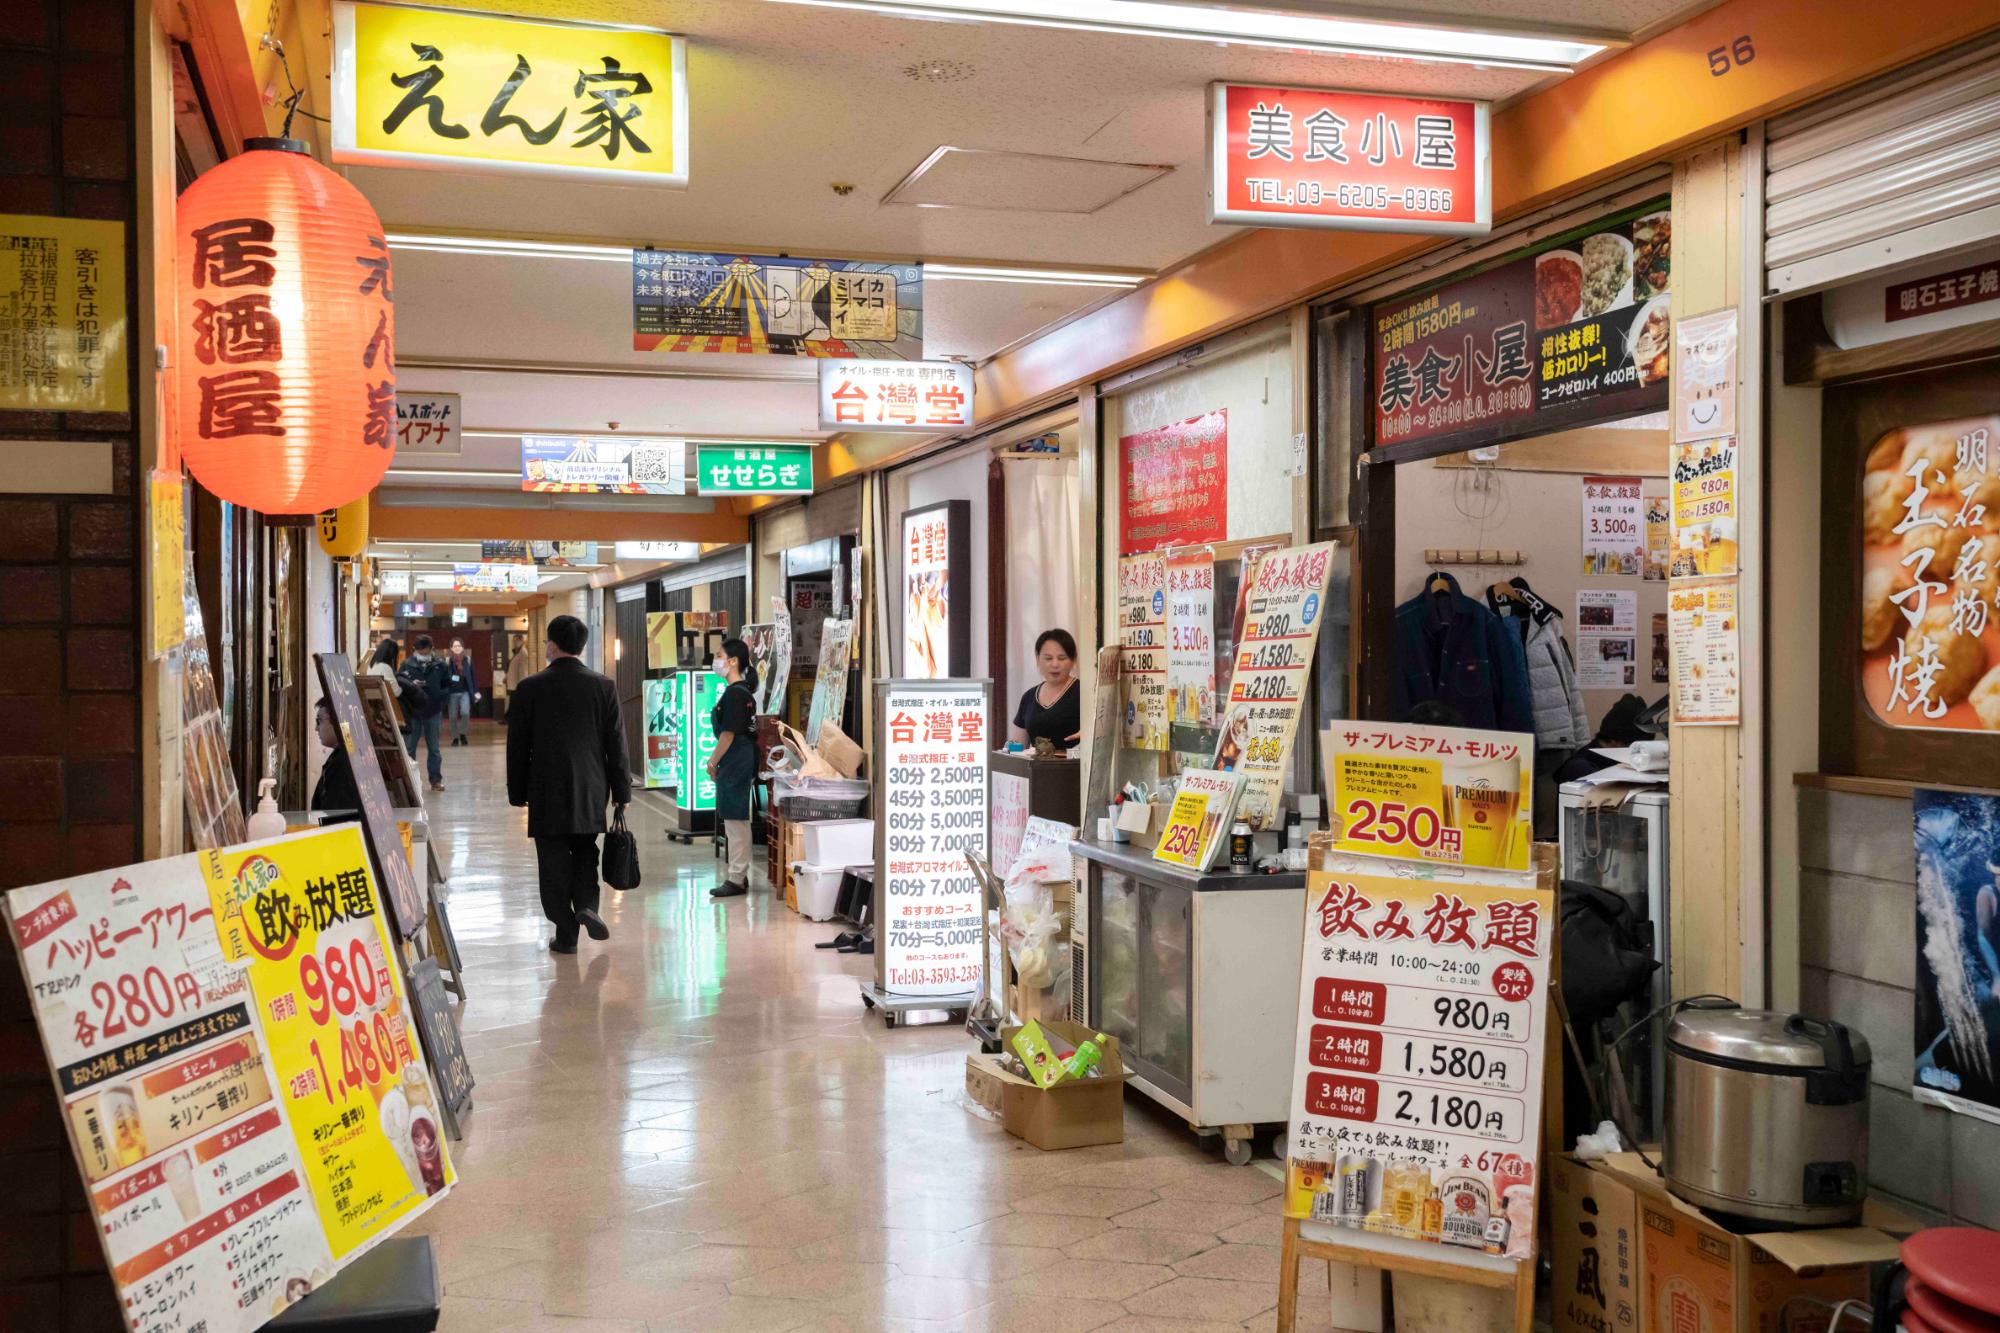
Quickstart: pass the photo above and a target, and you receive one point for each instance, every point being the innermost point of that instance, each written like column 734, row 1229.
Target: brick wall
column 69, row 618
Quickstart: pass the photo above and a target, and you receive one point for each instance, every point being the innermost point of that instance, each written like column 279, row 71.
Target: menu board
column 1702, row 623
column 1704, row 536
column 1502, row 354
column 439, row 1024
column 1417, row 1074
column 829, row 691
column 1444, row 795
column 1142, row 634
column 659, row 732
column 931, row 793
column 299, row 915
column 1284, row 603
column 169, row 1098
column 1197, row 819
column 378, row 817
column 1614, row 540
column 1191, row 649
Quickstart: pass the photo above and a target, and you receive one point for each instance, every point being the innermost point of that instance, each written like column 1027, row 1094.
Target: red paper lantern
column 286, row 371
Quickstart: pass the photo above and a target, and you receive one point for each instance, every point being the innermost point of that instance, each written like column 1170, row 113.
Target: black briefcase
column 621, row 854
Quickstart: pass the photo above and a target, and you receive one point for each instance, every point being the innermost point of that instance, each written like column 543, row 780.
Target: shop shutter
column 731, row 564
column 1900, row 169
column 832, row 513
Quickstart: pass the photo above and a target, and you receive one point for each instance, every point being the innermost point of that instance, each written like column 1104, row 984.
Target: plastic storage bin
column 819, row 798
column 839, row 842
column 818, row 887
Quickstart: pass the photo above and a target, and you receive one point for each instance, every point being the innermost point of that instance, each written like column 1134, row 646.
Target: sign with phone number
column 1446, row 795
column 933, row 795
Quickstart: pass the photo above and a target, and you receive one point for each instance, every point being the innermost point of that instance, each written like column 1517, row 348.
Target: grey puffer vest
column 1560, row 721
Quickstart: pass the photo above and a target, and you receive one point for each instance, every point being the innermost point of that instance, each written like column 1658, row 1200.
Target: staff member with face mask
column 734, row 763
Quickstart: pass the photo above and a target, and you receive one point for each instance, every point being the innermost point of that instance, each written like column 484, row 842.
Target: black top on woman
column 1053, row 710
column 734, row 763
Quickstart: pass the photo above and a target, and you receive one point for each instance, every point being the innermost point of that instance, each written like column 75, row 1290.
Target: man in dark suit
column 565, row 758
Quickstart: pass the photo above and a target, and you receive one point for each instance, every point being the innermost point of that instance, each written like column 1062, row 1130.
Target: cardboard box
column 1594, row 1220
column 1696, row 1276
column 794, row 850
column 984, row 1080
column 1076, row 1114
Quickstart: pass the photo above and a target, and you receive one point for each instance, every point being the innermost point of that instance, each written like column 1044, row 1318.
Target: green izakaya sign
column 696, row 694
column 754, row 469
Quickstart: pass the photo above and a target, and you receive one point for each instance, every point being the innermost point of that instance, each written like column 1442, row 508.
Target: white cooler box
column 838, row 842
column 818, row 888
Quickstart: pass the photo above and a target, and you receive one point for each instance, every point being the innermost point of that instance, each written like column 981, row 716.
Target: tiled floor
column 696, row 1126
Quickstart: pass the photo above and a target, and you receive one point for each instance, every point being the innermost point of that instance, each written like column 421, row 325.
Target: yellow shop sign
column 439, row 89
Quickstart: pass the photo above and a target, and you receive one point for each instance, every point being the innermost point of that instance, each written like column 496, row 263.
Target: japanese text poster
column 1659, row 537
column 1284, row 606
column 771, row 687
column 1607, row 639
column 1142, row 666
column 1614, row 536
column 201, row 1195
column 1958, row 951
column 1930, row 575
column 932, row 790
column 1702, row 621
column 829, row 687
column 1705, row 377
column 428, row 423
column 1191, row 650
column 1198, row 818
column 586, row 465
column 1417, row 1080
column 1173, row 484
column 929, row 637
column 1704, row 481
column 776, row 305
column 659, row 732
column 302, row 916
column 895, row 395
column 1444, row 795
column 62, row 314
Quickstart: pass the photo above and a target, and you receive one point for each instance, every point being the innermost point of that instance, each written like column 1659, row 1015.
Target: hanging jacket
column 1560, row 721
column 1451, row 649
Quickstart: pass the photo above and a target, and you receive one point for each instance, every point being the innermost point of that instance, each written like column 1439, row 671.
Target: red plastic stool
column 1961, row 1264
column 1943, row 1313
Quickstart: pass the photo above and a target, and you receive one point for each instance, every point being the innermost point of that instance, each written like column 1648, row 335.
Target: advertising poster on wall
column 1659, row 537
column 773, row 305
column 1704, row 481
column 1702, row 622
column 761, row 640
column 176, row 1116
column 603, row 465
column 1501, row 354
column 1142, row 634
column 1191, row 650
column 1958, row 951
column 300, row 914
column 659, row 732
column 1614, row 534
column 829, row 689
column 811, row 602
column 1705, row 376
column 1417, row 1079
column 1197, row 819
column 931, row 788
column 1284, row 603
column 62, row 306
column 1173, row 484
column 937, row 631
column 1442, row 795
column 772, row 691
column 1607, row 639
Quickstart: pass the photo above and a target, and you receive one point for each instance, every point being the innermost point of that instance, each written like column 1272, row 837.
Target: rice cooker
column 1767, row 1116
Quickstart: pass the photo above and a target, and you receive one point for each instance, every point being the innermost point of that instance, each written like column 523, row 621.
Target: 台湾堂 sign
column 895, row 395
column 776, row 305
column 931, row 790
column 755, row 469
column 1311, row 157
column 417, row 87
column 602, row 465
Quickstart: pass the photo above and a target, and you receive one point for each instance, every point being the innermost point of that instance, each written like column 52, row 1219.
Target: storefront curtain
column 1042, row 508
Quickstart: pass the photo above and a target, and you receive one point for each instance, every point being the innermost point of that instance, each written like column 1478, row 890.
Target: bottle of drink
column 1088, row 1055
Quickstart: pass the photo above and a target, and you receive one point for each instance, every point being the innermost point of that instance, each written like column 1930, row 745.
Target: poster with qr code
column 595, row 465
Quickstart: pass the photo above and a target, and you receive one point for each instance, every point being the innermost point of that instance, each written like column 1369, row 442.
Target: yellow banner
column 62, row 315
column 166, row 524
column 434, row 88
column 303, row 913
column 1445, row 795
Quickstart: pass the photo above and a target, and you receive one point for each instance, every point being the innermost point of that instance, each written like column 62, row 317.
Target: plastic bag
column 1601, row 1143
column 1030, row 929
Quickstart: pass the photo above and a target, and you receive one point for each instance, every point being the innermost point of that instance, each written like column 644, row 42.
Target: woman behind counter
column 1052, row 711
column 734, row 763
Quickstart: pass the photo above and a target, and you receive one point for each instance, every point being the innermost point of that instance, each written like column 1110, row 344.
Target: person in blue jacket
column 1455, row 651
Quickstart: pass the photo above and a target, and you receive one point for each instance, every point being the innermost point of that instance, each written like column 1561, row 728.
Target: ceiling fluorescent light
column 1246, row 27
column 457, row 473
column 502, row 247
column 1045, row 277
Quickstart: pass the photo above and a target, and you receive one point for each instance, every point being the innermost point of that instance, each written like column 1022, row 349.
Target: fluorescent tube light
column 1244, row 27
column 500, row 246
column 466, row 474
column 1048, row 277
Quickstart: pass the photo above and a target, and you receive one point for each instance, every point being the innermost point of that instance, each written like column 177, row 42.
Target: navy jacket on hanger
column 1452, row 649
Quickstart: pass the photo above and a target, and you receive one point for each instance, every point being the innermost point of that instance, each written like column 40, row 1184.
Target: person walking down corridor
column 565, row 759
column 424, row 679
column 462, row 691
column 734, row 763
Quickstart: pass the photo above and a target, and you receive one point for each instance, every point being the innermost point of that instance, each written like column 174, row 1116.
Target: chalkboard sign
column 438, row 1027
column 378, row 817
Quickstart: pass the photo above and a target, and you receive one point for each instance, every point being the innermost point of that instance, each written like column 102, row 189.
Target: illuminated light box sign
column 571, row 464
column 540, row 553
column 494, row 578
column 895, row 395
column 753, row 469
column 937, row 553
column 695, row 695
column 474, row 92
column 1310, row 157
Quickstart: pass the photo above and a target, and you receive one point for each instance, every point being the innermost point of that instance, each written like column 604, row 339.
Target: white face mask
column 720, row 666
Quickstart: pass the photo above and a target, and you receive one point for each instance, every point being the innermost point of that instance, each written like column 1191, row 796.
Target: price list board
column 1283, row 609
column 932, row 792
column 1417, row 1078
column 1142, row 635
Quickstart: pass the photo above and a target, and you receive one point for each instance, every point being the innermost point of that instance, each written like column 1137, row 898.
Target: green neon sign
column 753, row 469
